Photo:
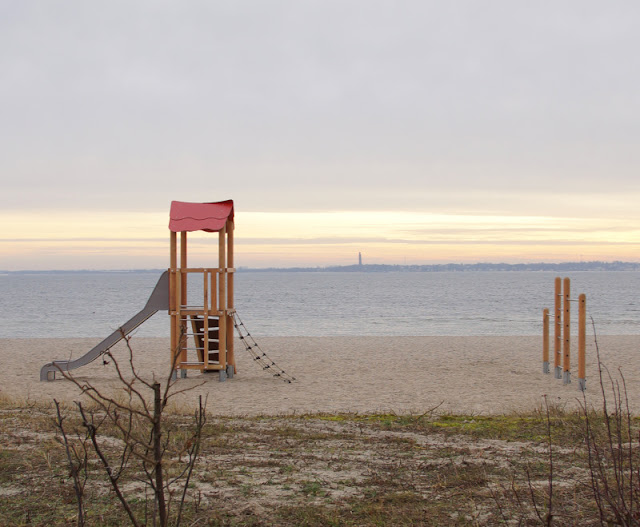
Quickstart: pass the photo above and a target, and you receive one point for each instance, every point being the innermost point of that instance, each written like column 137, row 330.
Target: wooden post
column 230, row 265
column 582, row 333
column 222, row 265
column 545, row 340
column 222, row 297
column 179, row 325
column 215, row 306
column 205, row 314
column 183, row 295
column 557, row 353
column 566, row 336
column 172, row 297
column 231, row 359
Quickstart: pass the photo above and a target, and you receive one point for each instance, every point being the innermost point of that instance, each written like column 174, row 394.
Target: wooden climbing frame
column 562, row 334
column 201, row 299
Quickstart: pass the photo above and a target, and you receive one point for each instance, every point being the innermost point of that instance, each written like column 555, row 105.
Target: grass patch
column 320, row 470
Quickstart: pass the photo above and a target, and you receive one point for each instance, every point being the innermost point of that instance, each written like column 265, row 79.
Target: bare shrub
column 150, row 450
column 613, row 453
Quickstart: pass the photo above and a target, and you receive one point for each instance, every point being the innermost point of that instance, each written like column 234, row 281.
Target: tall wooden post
column 222, row 296
column 183, row 297
column 545, row 340
column 231, row 359
column 566, row 336
column 582, row 334
column 557, row 340
column 175, row 323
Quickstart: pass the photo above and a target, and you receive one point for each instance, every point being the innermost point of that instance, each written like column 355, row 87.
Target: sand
column 470, row 375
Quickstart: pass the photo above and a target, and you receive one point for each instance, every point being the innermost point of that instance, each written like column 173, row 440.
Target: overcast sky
column 497, row 108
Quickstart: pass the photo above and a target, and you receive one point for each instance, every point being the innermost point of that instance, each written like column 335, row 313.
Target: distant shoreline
column 385, row 268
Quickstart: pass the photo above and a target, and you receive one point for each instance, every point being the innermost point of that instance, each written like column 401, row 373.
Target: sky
column 412, row 131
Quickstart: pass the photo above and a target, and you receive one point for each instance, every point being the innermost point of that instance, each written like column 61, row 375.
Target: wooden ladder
column 197, row 326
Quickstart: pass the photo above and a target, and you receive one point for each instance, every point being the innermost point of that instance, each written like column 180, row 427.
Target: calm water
column 316, row 304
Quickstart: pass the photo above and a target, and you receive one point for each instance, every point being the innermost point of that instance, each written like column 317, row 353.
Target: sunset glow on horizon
column 85, row 240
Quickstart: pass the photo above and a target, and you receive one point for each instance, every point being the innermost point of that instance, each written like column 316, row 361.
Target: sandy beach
column 470, row 375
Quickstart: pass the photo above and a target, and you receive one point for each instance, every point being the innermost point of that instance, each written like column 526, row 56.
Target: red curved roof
column 209, row 217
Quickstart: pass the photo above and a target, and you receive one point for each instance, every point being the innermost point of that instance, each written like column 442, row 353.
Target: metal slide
column 158, row 301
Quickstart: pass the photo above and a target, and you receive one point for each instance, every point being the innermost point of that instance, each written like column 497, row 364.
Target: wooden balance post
column 202, row 316
column 562, row 334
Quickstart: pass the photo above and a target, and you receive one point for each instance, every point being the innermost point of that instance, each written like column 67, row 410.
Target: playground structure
column 562, row 334
column 209, row 321
column 206, row 315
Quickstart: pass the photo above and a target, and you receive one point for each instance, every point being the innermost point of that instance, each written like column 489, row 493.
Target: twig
column 91, row 430
column 76, row 462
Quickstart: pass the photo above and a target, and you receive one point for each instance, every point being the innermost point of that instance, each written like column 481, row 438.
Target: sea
column 288, row 303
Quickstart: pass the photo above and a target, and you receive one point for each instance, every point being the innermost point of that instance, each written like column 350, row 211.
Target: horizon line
column 345, row 266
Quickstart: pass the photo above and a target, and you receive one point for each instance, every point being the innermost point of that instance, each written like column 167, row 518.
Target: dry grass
column 317, row 470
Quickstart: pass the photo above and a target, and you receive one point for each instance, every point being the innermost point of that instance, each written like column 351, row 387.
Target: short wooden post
column 557, row 353
column 230, row 265
column 214, row 292
column 566, row 336
column 545, row 340
column 582, row 333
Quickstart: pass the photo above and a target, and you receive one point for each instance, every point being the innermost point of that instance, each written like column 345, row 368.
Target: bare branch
column 77, row 464
column 91, row 430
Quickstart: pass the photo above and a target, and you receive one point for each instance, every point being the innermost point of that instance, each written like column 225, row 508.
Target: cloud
column 412, row 241
column 502, row 108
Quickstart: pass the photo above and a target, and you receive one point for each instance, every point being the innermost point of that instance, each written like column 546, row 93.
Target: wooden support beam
column 582, row 334
column 173, row 264
column 230, row 264
column 231, row 359
column 545, row 340
column 222, row 265
column 557, row 333
column 183, row 295
column 215, row 305
column 183, row 265
column 566, row 335
column 222, row 339
column 205, row 314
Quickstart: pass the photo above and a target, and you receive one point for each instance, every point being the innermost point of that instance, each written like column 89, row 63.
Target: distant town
column 463, row 267
column 386, row 268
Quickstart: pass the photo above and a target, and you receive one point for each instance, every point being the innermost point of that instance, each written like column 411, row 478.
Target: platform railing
column 215, row 300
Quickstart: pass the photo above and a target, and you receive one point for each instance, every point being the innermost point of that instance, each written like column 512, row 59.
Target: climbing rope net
column 256, row 352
